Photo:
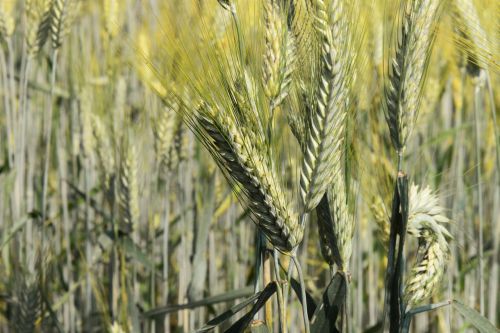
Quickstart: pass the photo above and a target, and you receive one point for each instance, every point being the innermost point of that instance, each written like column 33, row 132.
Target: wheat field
column 249, row 166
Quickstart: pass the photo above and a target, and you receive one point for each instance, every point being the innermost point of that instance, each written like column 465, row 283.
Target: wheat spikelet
column 407, row 69
column 7, row 23
column 237, row 154
column 326, row 123
column 287, row 69
column 128, row 193
column 424, row 205
column 381, row 219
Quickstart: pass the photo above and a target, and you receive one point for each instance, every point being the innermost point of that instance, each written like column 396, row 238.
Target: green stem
column 281, row 308
column 477, row 108
column 48, row 135
column 303, row 294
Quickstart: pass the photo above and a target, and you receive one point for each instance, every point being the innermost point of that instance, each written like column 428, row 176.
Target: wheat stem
column 48, row 135
column 281, row 305
column 302, row 294
column 478, row 108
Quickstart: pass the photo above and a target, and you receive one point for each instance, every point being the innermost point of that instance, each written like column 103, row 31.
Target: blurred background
column 111, row 209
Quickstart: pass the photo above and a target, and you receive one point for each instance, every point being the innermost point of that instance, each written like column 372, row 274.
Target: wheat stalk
column 325, row 131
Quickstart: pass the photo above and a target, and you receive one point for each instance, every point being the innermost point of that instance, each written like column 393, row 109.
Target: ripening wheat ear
column 62, row 14
column 104, row 152
column 381, row 219
column 471, row 37
column 425, row 216
column 325, row 132
column 433, row 254
column 239, row 154
column 407, row 68
column 27, row 309
column 7, row 22
column 37, row 24
column 128, row 192
column 169, row 138
column 279, row 58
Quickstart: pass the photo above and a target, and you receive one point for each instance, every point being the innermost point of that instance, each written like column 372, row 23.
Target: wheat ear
column 7, row 22
column 62, row 14
column 336, row 225
column 128, row 193
column 425, row 216
column 433, row 253
column 324, row 135
column 246, row 167
column 279, row 58
column 37, row 24
column 471, row 35
column 407, row 70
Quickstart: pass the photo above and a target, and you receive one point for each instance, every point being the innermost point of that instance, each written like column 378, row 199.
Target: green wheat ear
column 408, row 66
column 324, row 138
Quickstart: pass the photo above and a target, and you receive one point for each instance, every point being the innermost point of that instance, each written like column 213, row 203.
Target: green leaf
column 244, row 321
column 226, row 297
column 474, row 318
column 324, row 318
